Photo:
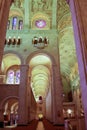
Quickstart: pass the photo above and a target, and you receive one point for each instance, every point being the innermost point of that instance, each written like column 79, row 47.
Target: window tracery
column 15, row 23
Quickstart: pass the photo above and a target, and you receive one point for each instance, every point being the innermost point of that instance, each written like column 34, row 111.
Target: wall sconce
column 69, row 112
column 40, row 42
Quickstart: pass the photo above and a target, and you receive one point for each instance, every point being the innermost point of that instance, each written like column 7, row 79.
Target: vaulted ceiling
column 68, row 59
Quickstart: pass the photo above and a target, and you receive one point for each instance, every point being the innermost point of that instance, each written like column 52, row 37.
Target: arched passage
column 53, row 102
column 40, row 71
column 10, row 63
column 10, row 110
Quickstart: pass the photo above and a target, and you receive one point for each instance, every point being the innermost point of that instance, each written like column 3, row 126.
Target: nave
column 36, row 125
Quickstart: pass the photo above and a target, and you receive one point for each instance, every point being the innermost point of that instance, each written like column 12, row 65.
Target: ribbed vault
column 40, row 67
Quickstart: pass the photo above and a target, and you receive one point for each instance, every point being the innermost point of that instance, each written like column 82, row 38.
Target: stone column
column 79, row 18
column 26, row 19
column 49, row 106
column 4, row 13
column 23, row 105
column 1, row 115
column 54, row 14
column 57, row 100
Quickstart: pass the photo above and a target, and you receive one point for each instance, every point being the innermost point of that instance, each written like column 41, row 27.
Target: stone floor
column 35, row 125
column 40, row 126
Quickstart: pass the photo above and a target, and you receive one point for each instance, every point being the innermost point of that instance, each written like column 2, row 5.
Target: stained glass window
column 14, row 23
column 17, row 78
column 17, row 23
column 10, row 77
column 20, row 26
column 13, row 77
column 8, row 24
column 40, row 23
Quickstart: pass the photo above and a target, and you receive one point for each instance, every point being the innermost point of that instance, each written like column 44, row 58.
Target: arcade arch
column 40, row 72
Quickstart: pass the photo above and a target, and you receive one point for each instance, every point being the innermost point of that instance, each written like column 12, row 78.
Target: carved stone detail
column 40, row 5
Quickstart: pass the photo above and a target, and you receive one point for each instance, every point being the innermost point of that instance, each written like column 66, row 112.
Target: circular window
column 40, row 23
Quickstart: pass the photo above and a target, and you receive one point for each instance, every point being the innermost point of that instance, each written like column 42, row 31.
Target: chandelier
column 40, row 42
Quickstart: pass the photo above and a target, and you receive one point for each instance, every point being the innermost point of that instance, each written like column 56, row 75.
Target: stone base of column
column 1, row 124
column 24, row 123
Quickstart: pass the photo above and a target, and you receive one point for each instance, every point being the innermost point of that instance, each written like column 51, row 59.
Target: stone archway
column 53, row 111
column 40, row 73
column 6, row 109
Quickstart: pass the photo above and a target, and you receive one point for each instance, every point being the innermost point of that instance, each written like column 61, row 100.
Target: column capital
column 24, row 65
